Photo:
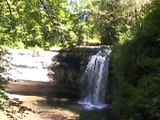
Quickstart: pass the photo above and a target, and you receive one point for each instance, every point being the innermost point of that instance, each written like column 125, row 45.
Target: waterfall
column 94, row 81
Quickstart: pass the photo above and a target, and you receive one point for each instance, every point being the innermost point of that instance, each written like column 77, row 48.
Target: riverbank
column 24, row 107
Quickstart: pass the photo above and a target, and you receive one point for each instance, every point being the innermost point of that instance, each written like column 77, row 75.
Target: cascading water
column 94, row 81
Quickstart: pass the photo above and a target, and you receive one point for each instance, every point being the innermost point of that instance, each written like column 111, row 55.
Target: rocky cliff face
column 61, row 67
column 70, row 65
column 28, row 65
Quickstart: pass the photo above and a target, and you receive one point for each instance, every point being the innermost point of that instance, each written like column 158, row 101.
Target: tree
column 114, row 20
column 42, row 23
column 136, row 66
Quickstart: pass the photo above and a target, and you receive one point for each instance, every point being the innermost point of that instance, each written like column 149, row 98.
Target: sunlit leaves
column 37, row 22
column 113, row 19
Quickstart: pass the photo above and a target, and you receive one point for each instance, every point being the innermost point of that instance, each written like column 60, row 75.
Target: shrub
column 3, row 82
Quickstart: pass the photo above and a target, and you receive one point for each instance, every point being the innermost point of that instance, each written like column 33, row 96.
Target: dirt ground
column 35, row 108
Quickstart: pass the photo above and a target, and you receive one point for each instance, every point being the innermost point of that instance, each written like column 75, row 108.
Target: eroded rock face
column 28, row 65
column 70, row 64
column 46, row 65
column 62, row 67
column 68, row 67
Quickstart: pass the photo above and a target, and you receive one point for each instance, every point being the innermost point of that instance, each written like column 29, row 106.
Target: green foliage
column 45, row 23
column 137, row 69
column 41, row 23
column 3, row 96
column 114, row 20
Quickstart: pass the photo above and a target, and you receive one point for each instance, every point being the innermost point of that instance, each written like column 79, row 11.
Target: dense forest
column 131, row 27
column 47, row 23
column 137, row 68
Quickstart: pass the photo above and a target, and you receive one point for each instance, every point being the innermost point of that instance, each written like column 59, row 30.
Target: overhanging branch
column 9, row 7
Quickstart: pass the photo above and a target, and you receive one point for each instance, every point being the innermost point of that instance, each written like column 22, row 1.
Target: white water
column 94, row 81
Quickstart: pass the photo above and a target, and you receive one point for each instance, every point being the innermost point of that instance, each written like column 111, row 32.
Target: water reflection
column 95, row 114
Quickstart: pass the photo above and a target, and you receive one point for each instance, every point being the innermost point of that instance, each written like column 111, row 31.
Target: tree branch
column 9, row 7
column 44, row 6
